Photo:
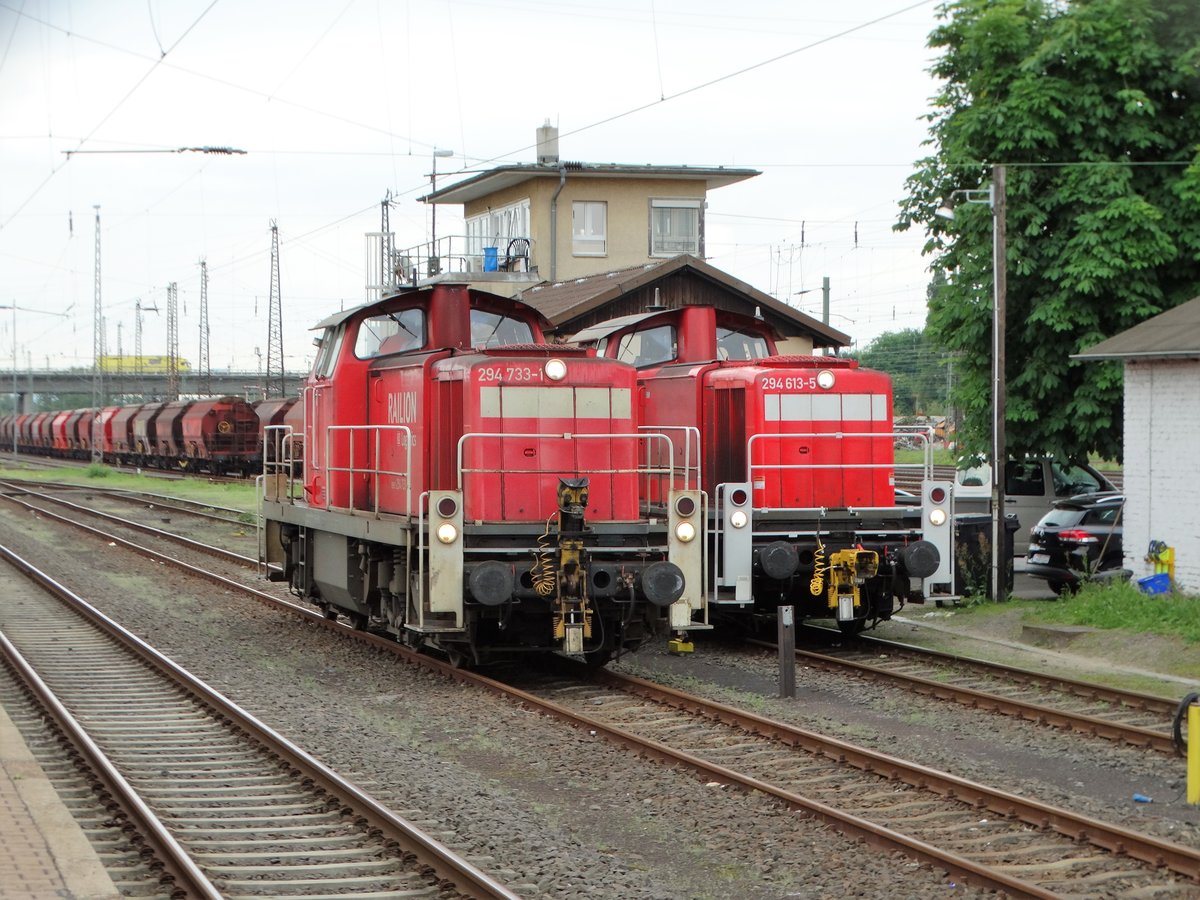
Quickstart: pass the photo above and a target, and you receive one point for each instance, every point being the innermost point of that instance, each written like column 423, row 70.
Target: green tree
column 918, row 371
column 1094, row 107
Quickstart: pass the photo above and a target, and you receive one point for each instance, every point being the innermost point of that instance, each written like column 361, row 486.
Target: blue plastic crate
column 1155, row 584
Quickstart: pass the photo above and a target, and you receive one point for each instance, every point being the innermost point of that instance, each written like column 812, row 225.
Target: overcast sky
column 336, row 103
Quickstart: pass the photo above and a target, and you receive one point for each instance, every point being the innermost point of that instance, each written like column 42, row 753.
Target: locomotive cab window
column 395, row 332
column 490, row 329
column 331, row 343
column 651, row 347
column 733, row 344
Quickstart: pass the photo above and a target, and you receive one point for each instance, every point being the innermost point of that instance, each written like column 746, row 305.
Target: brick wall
column 1162, row 465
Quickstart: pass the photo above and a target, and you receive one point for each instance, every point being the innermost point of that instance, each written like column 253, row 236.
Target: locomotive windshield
column 650, row 347
column 490, row 329
column 394, row 332
column 732, row 344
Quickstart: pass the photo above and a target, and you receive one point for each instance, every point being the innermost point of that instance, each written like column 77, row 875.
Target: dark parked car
column 1080, row 536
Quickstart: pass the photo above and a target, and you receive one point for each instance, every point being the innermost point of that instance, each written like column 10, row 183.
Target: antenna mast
column 275, row 384
column 205, row 365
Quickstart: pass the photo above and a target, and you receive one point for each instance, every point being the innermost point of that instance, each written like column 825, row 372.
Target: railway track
column 229, row 807
column 988, row 837
column 1128, row 717
column 1138, row 720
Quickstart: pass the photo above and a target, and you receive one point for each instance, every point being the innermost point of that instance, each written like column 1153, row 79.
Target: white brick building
column 1162, row 438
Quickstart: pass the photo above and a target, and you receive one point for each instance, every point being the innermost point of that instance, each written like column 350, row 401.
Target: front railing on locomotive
column 761, row 521
column 684, row 440
column 653, row 478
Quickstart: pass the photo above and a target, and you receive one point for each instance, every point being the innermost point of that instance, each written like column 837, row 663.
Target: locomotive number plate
column 790, row 383
column 515, row 374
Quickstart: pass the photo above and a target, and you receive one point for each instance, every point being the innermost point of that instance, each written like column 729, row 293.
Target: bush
column 97, row 470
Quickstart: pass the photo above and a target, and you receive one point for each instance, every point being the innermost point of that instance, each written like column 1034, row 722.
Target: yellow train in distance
column 148, row 364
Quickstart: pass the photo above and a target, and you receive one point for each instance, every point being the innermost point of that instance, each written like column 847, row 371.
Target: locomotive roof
column 610, row 326
column 339, row 317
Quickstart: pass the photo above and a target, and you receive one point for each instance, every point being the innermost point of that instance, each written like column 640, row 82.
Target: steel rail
column 1081, row 723
column 178, row 865
column 449, row 866
column 198, row 546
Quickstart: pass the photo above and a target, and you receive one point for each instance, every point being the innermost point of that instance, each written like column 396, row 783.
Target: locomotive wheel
column 852, row 627
column 358, row 621
column 597, row 659
column 329, row 612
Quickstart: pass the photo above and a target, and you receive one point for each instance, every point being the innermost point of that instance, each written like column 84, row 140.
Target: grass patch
column 1112, row 605
column 941, row 457
column 234, row 495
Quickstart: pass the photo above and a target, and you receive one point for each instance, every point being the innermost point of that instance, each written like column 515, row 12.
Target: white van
column 1031, row 487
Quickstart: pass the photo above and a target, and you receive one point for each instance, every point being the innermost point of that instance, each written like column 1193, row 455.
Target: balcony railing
column 481, row 258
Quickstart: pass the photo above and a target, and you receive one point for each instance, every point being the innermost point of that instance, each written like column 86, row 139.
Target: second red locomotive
column 797, row 453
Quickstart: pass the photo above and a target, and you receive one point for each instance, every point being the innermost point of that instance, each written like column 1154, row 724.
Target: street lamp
column 434, row 258
column 16, row 394
column 994, row 197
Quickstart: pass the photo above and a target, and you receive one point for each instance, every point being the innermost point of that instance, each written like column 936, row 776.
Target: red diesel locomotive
column 797, row 454
column 470, row 488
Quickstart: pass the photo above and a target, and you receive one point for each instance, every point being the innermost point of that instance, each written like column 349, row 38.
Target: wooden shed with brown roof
column 680, row 281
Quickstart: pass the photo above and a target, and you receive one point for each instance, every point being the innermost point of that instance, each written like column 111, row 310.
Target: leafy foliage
column 1094, row 107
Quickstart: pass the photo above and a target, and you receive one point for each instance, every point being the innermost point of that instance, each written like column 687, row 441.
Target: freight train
column 797, row 455
column 469, row 488
column 217, row 435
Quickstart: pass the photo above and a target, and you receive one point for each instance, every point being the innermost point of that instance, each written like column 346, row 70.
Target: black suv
column 1080, row 536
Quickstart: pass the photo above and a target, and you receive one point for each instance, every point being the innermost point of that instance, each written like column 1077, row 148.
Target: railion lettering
column 402, row 407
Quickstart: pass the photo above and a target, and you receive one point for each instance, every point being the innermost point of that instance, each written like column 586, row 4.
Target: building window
column 676, row 227
column 494, row 229
column 589, row 228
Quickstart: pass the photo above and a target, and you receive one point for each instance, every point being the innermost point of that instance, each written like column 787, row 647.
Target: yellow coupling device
column 572, row 618
column 848, row 571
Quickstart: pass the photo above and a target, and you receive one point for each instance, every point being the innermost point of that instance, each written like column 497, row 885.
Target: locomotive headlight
column 937, row 516
column 738, row 519
column 556, row 369
column 686, row 532
column 447, row 533
column 825, row 379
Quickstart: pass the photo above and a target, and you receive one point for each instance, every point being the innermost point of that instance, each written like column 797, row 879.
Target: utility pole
column 173, row 341
column 275, row 325
column 98, row 398
column 137, row 350
column 1000, row 447
column 119, row 380
column 205, row 366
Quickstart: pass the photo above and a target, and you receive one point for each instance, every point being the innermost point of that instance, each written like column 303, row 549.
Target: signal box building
column 555, row 220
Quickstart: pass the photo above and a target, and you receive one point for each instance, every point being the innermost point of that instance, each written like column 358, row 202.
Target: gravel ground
column 661, row 834
column 553, row 812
